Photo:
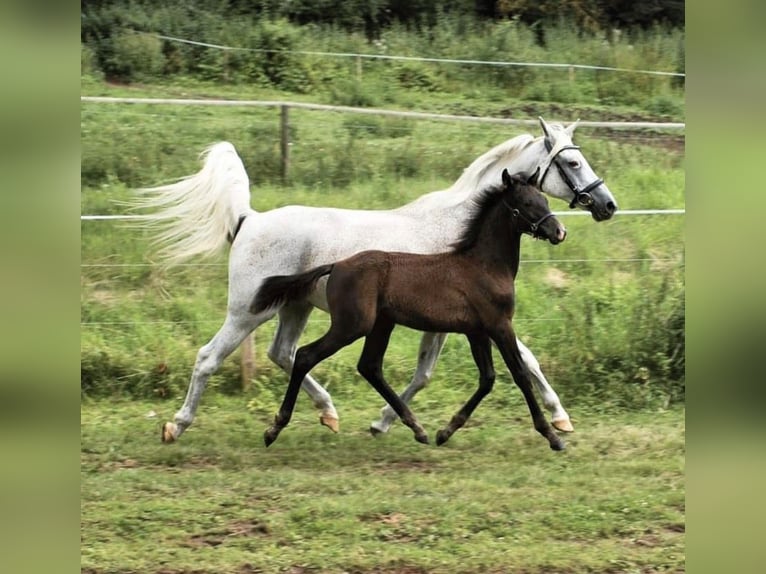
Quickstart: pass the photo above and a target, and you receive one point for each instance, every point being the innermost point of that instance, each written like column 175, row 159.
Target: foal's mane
column 483, row 204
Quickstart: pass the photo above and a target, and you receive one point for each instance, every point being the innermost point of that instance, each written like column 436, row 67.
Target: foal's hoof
column 331, row 423
column 270, row 436
column 558, row 445
column 563, row 425
column 442, row 436
column 169, row 432
column 422, row 438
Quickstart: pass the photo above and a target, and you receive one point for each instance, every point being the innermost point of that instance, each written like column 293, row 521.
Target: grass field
column 494, row 499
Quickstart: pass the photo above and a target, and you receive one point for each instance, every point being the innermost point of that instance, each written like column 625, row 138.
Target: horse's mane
column 484, row 202
column 471, row 176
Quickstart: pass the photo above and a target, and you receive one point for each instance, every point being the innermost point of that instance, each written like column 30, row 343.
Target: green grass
column 494, row 499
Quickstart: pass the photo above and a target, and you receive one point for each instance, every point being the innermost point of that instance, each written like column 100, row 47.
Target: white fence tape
column 369, row 111
column 415, row 58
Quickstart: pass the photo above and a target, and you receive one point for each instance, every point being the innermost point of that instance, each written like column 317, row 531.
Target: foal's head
column 529, row 208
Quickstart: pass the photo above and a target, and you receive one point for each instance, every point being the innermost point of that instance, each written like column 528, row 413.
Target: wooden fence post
column 247, row 360
column 284, row 133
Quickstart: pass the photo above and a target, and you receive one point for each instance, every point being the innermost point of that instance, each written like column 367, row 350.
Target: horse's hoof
column 558, row 445
column 169, row 432
column 331, row 423
column 375, row 431
column 269, row 436
column 422, row 438
column 563, row 425
column 441, row 437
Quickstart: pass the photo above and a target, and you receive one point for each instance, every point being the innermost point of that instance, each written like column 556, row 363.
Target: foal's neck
column 498, row 244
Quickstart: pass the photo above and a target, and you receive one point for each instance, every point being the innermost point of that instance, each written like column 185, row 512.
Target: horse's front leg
column 559, row 417
column 370, row 366
column 431, row 345
column 209, row 358
column 505, row 340
column 292, row 322
column 306, row 358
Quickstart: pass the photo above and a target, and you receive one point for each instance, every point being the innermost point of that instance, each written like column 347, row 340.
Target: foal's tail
column 195, row 215
column 279, row 289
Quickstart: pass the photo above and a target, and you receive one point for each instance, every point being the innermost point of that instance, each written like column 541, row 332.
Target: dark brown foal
column 468, row 290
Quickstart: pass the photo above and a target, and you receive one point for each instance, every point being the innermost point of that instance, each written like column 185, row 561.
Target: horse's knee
column 207, row 363
column 487, row 382
column 279, row 357
column 368, row 369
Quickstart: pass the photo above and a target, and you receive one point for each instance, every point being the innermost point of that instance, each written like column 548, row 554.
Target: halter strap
column 581, row 196
column 534, row 225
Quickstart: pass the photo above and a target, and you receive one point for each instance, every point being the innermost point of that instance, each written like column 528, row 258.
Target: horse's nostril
column 611, row 207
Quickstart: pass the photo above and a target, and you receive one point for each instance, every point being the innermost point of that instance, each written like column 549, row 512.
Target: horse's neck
column 498, row 245
column 515, row 155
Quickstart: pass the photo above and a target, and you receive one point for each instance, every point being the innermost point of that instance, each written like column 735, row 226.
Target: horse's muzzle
column 558, row 236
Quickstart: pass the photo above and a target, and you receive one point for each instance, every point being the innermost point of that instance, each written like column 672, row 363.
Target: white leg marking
column 551, row 401
column 292, row 322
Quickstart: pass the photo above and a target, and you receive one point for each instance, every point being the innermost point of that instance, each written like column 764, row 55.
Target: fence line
column 360, row 56
column 368, row 111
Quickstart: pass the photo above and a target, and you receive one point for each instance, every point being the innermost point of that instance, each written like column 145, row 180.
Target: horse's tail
column 279, row 289
column 196, row 215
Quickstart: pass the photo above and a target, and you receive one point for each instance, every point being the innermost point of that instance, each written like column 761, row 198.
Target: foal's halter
column 581, row 196
column 533, row 225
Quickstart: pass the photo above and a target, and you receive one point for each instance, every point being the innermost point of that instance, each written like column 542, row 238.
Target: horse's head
column 529, row 208
column 572, row 180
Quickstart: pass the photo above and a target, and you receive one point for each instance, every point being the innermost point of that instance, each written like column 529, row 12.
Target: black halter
column 533, row 225
column 581, row 196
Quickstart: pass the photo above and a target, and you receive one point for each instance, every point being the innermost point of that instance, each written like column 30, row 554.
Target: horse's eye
column 574, row 164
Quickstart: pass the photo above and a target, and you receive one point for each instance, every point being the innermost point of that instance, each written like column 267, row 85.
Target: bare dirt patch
column 240, row 528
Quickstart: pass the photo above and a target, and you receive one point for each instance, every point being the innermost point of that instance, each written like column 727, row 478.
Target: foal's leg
column 306, row 358
column 209, row 358
column 559, row 417
column 482, row 356
column 505, row 340
column 292, row 322
column 370, row 366
column 431, row 345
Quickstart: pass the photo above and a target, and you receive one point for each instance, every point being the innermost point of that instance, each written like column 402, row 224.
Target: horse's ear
column 546, row 128
column 571, row 128
column 506, row 178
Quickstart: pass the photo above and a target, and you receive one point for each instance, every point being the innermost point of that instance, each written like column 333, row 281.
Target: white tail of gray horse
column 195, row 215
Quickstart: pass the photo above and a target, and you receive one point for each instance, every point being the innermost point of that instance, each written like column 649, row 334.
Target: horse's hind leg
column 370, row 366
column 482, row 356
column 306, row 358
column 209, row 359
column 292, row 322
column 505, row 340
column 559, row 417
column 431, row 345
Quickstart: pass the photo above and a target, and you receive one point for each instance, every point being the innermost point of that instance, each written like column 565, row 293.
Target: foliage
column 268, row 40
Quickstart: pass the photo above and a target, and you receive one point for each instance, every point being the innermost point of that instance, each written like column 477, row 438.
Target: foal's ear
column 533, row 176
column 507, row 178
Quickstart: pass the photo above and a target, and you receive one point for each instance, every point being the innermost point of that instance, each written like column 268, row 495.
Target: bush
column 136, row 57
